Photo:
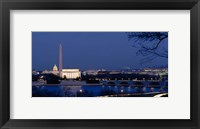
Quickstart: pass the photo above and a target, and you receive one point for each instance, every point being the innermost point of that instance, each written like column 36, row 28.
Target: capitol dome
column 55, row 68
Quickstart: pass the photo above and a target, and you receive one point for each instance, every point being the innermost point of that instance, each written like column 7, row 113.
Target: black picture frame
column 7, row 5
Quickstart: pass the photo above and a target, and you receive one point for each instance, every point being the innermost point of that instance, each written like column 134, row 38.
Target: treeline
column 50, row 78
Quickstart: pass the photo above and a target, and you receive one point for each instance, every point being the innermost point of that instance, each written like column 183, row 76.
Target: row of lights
column 116, row 79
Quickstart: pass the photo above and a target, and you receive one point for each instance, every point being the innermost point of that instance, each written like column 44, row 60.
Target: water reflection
column 95, row 91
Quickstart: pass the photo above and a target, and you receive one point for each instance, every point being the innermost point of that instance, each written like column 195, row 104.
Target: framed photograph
column 99, row 64
column 117, row 70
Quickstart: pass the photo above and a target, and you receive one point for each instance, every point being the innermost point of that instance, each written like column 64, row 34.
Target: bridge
column 136, row 83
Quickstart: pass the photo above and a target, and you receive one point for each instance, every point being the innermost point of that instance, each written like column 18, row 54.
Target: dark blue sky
column 87, row 50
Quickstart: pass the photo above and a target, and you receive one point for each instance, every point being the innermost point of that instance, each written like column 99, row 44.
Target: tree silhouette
column 149, row 44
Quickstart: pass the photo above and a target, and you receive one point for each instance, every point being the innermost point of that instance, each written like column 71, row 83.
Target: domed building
column 55, row 70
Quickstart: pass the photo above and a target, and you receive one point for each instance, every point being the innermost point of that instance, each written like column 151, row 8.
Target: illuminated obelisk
column 60, row 60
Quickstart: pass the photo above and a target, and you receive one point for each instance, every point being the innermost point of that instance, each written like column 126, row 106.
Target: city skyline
column 87, row 50
column 94, row 64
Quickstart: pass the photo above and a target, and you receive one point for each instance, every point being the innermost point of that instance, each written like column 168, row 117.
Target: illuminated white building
column 55, row 70
column 71, row 73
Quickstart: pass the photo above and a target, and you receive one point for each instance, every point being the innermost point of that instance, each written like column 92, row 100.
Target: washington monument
column 60, row 60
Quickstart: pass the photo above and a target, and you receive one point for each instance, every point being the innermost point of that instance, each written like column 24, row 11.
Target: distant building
column 155, row 71
column 55, row 70
column 115, row 72
column 71, row 73
column 90, row 72
column 35, row 72
column 46, row 72
column 103, row 72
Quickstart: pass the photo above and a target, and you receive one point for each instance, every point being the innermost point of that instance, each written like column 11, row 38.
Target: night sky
column 87, row 50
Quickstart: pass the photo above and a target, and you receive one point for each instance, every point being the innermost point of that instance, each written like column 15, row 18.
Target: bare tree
column 149, row 44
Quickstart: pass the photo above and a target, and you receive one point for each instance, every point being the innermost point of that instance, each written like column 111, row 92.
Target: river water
column 95, row 91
